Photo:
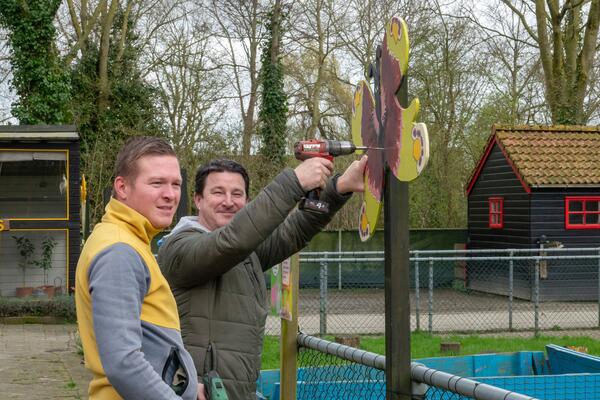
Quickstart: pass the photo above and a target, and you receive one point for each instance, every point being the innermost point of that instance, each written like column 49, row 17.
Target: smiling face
column 155, row 191
column 224, row 194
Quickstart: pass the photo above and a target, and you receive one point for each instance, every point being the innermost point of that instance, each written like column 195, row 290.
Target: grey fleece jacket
column 137, row 356
column 218, row 282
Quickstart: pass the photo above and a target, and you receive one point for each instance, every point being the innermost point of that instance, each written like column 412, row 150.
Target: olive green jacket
column 218, row 282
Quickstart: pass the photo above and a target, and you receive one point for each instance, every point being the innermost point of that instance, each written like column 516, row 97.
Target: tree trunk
column 249, row 122
column 108, row 16
column 315, row 97
column 566, row 52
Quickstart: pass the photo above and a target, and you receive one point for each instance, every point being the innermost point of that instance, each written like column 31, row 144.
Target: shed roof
column 38, row 132
column 547, row 156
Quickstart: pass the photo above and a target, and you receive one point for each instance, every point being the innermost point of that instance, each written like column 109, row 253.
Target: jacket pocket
column 258, row 291
column 175, row 373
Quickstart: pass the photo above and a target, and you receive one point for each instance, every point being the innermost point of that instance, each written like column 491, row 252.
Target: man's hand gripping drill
column 327, row 149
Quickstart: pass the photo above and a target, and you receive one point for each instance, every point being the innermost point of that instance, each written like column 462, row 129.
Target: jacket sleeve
column 189, row 257
column 299, row 228
column 118, row 282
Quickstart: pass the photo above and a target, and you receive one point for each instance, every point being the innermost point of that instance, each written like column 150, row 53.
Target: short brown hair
column 220, row 165
column 136, row 148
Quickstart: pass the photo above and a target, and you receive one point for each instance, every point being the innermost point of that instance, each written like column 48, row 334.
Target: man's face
column 156, row 190
column 224, row 195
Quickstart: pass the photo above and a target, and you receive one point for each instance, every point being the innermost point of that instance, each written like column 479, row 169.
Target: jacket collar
column 120, row 214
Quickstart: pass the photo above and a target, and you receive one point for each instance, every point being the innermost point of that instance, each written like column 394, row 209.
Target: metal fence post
column 430, row 299
column 510, row 291
column 340, row 256
column 536, row 298
column 417, row 293
column 323, row 300
column 598, row 277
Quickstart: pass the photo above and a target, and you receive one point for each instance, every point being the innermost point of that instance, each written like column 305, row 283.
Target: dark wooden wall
column 497, row 179
column 74, row 211
column 575, row 280
column 548, row 217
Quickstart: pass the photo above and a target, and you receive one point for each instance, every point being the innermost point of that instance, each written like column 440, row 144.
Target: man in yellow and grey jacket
column 127, row 316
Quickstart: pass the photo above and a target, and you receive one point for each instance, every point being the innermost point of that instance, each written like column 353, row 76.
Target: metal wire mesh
column 505, row 290
column 452, row 291
column 434, row 393
column 327, row 377
column 550, row 387
column 333, row 371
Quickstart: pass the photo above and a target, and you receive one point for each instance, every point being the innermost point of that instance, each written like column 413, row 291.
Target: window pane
column 591, row 205
column 592, row 219
column 495, row 206
column 576, row 219
column 34, row 184
column 12, row 261
column 575, row 205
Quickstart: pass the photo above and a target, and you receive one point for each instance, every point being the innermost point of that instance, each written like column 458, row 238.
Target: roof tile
column 553, row 155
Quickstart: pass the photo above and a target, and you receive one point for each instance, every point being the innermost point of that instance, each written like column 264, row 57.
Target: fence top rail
column 451, row 251
column 419, row 372
column 326, row 260
column 460, row 385
column 347, row 353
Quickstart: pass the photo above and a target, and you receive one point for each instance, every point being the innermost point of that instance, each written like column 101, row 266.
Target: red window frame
column 586, row 213
column 496, row 212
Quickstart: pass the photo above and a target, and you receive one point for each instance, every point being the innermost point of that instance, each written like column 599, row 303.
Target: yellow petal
column 417, row 149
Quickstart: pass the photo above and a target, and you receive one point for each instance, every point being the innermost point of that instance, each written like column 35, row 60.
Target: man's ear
column 120, row 188
column 197, row 200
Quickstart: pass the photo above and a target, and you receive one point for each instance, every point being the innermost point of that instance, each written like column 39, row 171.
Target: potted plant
column 26, row 249
column 45, row 263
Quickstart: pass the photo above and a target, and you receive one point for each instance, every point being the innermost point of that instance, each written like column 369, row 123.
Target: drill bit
column 369, row 148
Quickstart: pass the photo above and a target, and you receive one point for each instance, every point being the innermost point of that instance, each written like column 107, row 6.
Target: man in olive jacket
column 214, row 262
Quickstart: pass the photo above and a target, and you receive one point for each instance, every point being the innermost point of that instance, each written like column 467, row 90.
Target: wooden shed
column 533, row 184
column 39, row 209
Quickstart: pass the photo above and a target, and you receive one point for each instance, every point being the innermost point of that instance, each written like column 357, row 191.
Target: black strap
column 210, row 361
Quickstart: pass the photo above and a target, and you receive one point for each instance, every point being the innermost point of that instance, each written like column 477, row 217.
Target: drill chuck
column 340, row 147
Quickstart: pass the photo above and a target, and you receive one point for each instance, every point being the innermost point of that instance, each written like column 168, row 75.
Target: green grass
column 425, row 345
column 71, row 385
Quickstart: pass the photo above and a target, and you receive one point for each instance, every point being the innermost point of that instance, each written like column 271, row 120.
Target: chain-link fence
column 333, row 371
column 324, row 376
column 452, row 291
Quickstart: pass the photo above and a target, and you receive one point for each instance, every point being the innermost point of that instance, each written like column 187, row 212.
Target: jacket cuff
column 290, row 181
column 332, row 189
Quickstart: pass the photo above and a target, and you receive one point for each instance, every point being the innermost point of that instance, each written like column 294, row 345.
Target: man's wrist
column 336, row 187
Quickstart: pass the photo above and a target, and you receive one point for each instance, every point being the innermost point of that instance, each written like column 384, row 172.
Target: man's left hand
column 201, row 392
column 352, row 180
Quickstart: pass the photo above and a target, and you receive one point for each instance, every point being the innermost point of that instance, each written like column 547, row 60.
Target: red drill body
column 328, row 149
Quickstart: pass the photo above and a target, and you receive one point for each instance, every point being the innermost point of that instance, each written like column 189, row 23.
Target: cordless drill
column 328, row 149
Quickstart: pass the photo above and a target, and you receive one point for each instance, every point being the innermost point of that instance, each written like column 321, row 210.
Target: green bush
column 58, row 306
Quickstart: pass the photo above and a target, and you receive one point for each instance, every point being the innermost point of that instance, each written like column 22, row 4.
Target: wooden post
column 397, row 301
column 289, row 330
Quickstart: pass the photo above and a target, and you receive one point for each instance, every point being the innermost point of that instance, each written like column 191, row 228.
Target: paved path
column 458, row 321
column 41, row 362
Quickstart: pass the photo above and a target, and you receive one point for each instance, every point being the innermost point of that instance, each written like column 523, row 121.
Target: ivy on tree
column 39, row 78
column 273, row 109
